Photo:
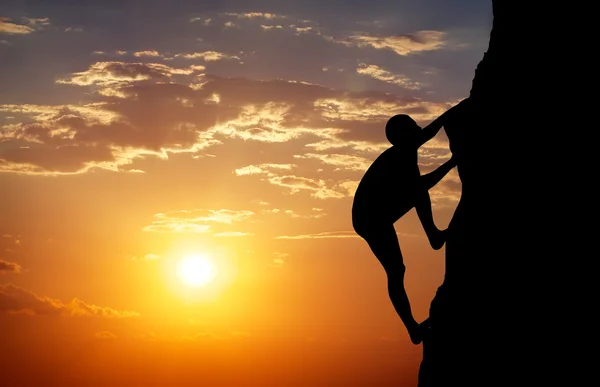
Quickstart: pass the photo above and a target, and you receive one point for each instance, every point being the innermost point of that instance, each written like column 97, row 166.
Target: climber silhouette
column 434, row 368
column 390, row 188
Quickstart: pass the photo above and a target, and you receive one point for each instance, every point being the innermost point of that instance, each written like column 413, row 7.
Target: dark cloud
column 68, row 158
column 7, row 26
column 138, row 113
column 9, row 267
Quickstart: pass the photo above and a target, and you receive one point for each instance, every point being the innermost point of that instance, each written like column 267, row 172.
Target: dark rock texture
column 490, row 318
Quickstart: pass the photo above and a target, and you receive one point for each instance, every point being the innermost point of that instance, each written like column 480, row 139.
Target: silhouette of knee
column 395, row 272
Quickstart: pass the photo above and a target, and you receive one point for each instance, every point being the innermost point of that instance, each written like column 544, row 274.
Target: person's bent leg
column 384, row 244
column 425, row 213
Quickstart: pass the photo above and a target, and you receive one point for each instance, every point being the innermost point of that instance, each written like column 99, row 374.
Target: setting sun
column 196, row 270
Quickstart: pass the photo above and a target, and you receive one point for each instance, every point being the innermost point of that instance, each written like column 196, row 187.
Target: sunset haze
column 177, row 183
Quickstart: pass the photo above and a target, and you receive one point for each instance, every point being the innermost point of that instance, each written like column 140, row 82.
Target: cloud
column 16, row 300
column 349, row 186
column 105, row 335
column 318, row 188
column 403, row 45
column 322, row 235
column 195, row 221
column 447, row 192
column 120, row 73
column 109, row 135
column 208, row 56
column 154, row 110
column 199, row 336
column 151, row 53
column 9, row 267
column 279, row 260
column 317, row 213
column 232, row 234
column 205, row 21
column 262, row 122
column 73, row 29
column 13, row 29
column 334, row 235
column 37, row 21
column 254, row 15
column 305, row 30
column 147, row 257
column 378, row 73
column 340, row 161
column 269, row 28
column 263, row 169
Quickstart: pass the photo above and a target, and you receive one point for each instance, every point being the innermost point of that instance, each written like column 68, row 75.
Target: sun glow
column 196, row 270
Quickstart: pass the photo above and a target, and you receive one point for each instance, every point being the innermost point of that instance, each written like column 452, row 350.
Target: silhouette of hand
column 416, row 334
column 424, row 329
column 452, row 160
column 419, row 331
column 438, row 239
column 456, row 111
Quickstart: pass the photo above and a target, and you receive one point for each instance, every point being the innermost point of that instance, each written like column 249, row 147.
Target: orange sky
column 119, row 157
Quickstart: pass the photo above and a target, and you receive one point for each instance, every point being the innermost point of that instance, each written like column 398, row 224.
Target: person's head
column 401, row 130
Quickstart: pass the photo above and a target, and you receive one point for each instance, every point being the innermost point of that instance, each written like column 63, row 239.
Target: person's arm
column 432, row 178
column 433, row 128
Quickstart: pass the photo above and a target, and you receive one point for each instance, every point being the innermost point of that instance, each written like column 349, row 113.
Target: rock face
column 483, row 314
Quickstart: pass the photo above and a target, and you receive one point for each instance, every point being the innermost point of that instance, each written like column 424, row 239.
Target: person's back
column 389, row 185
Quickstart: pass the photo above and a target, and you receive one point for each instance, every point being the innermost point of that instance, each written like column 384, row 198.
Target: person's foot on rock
column 416, row 334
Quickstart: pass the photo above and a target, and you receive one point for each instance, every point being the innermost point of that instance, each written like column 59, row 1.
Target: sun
column 196, row 271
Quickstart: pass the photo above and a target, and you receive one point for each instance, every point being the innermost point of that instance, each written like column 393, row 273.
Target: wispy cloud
column 403, row 45
column 105, row 335
column 16, row 300
column 150, row 109
column 380, row 74
column 322, row 235
column 147, row 257
column 208, row 56
column 232, row 234
column 269, row 28
column 7, row 27
column 279, row 259
column 203, row 20
column 37, row 21
column 318, row 188
column 254, row 15
column 111, row 73
column 261, row 169
column 315, row 213
column 9, row 267
column 340, row 161
column 333, row 235
column 195, row 221
column 152, row 53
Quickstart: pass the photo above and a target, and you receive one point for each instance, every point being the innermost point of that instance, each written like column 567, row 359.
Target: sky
column 177, row 179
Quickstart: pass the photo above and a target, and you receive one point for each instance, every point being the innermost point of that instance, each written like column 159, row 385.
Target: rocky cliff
column 488, row 315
